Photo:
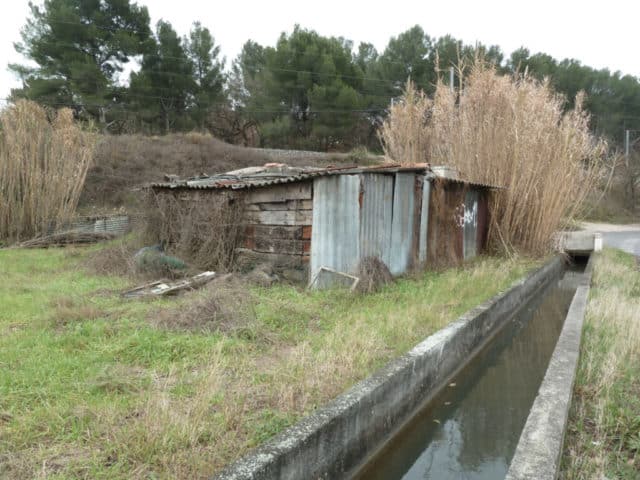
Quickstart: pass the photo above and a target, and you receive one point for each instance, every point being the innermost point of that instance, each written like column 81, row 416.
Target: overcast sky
column 600, row 34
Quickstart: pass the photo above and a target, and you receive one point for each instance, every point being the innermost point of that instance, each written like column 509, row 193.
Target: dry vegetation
column 44, row 158
column 125, row 162
column 507, row 131
column 204, row 235
column 224, row 305
column 373, row 275
column 405, row 134
column 603, row 437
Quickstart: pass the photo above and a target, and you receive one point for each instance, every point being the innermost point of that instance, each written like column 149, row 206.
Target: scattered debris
column 153, row 259
column 328, row 276
column 66, row 238
column 262, row 275
column 161, row 287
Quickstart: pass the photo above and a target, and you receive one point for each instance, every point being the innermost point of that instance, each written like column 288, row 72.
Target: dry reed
column 43, row 165
column 511, row 131
column 373, row 275
column 405, row 133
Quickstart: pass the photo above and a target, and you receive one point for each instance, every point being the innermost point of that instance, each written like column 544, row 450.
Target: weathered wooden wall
column 278, row 229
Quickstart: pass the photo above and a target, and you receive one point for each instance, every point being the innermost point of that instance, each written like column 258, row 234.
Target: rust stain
column 306, row 232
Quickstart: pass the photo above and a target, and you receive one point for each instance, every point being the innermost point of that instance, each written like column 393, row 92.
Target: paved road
column 628, row 241
column 624, row 237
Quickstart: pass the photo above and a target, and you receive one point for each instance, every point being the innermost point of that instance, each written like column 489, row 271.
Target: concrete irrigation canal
column 486, row 397
column 471, row 429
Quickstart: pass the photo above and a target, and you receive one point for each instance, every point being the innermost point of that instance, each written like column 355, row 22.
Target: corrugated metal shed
column 404, row 215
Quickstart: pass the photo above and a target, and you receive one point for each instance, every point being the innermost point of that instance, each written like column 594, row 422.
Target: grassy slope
column 89, row 388
column 603, row 438
column 124, row 162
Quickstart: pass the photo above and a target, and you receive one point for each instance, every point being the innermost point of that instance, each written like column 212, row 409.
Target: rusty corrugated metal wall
column 458, row 222
column 369, row 214
column 483, row 220
column 404, row 219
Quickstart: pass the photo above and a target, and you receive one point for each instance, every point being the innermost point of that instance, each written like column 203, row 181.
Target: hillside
column 123, row 163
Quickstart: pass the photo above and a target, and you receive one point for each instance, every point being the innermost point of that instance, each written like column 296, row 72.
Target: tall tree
column 207, row 71
column 80, row 47
column 304, row 90
column 163, row 88
column 407, row 56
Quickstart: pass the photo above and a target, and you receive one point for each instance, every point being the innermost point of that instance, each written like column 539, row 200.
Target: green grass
column 603, row 437
column 91, row 387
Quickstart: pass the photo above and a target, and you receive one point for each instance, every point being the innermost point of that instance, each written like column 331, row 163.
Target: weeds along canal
column 470, row 430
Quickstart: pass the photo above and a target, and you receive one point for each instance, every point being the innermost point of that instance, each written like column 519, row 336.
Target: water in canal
column 471, row 429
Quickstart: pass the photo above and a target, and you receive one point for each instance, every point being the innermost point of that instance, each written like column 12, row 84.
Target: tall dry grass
column 511, row 131
column 405, row 133
column 603, row 435
column 43, row 164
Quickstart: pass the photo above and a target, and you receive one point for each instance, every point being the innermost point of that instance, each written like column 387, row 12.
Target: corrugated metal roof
column 273, row 174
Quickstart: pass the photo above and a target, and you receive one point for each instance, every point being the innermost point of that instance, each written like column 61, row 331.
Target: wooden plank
column 287, row 205
column 248, row 259
column 275, row 245
column 280, row 193
column 281, row 217
column 283, row 232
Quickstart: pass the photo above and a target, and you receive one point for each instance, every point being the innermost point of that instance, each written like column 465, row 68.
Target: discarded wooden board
column 66, row 238
column 333, row 277
column 161, row 287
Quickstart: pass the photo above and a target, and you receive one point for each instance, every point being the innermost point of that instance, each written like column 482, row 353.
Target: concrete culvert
column 373, row 274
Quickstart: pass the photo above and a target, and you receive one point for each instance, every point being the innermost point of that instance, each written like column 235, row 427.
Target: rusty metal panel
column 470, row 224
column 402, row 226
column 483, row 220
column 336, row 223
column 424, row 222
column 376, row 215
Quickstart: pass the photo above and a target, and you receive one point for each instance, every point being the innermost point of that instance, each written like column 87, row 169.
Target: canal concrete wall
column 539, row 449
column 332, row 442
